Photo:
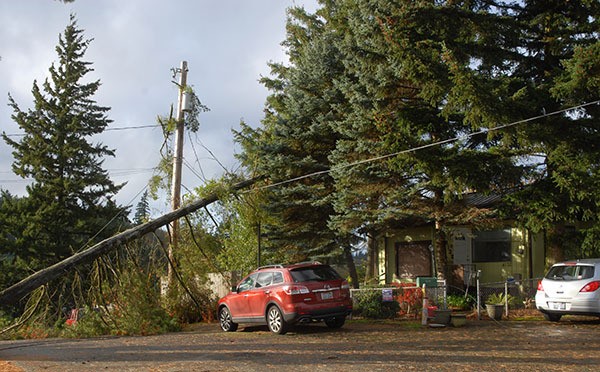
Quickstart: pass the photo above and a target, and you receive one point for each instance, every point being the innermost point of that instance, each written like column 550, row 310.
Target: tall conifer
column 69, row 201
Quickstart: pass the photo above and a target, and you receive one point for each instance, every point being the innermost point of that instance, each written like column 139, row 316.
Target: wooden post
column 177, row 164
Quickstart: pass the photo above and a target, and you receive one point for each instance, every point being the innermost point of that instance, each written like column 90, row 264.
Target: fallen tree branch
column 17, row 291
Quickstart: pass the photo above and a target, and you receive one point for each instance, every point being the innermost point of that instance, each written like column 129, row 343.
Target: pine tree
column 142, row 210
column 297, row 139
column 69, row 200
column 559, row 68
column 418, row 74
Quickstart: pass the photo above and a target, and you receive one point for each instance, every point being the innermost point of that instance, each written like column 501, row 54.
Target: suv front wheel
column 225, row 320
column 275, row 321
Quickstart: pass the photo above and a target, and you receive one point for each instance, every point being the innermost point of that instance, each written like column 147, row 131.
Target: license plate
column 326, row 295
column 559, row 306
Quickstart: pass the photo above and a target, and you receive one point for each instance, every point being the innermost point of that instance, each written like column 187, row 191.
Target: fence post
column 424, row 310
column 445, row 295
column 506, row 297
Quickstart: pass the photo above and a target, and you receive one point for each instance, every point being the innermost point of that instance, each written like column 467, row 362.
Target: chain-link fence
column 406, row 299
column 399, row 299
column 511, row 294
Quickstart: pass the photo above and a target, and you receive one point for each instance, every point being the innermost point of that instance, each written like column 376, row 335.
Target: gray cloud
column 227, row 44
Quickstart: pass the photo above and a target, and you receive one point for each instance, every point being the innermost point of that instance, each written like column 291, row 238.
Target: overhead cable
column 426, row 146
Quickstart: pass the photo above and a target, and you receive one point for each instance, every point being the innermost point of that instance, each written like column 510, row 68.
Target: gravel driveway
column 360, row 345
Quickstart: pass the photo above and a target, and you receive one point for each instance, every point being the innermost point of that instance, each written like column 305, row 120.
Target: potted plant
column 494, row 305
column 459, row 304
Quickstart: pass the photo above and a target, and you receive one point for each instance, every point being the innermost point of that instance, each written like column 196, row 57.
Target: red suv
column 279, row 296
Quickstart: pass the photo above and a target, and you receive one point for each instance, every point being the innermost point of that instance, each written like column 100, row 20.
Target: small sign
column 387, row 295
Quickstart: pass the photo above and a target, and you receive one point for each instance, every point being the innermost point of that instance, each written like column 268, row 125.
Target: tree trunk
column 351, row 266
column 441, row 258
column 555, row 252
column 14, row 293
column 370, row 269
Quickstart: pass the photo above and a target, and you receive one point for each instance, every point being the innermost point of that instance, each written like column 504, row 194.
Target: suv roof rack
column 276, row 266
column 313, row 262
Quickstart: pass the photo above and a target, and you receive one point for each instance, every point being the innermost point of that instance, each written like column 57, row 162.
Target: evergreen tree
column 559, row 69
column 142, row 210
column 69, row 201
column 374, row 79
column 419, row 75
column 296, row 140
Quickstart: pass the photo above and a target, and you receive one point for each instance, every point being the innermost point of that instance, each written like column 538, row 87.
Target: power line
column 429, row 145
column 105, row 130
column 121, row 172
column 134, row 127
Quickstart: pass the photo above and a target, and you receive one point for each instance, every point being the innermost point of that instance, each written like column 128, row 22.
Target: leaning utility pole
column 177, row 163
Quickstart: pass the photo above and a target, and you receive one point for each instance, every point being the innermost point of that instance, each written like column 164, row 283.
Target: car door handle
column 267, row 291
column 246, row 295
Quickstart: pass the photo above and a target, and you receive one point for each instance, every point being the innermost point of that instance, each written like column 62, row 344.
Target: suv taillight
column 295, row 289
column 590, row 287
column 540, row 286
column 345, row 285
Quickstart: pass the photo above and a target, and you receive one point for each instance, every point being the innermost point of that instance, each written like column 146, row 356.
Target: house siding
column 527, row 255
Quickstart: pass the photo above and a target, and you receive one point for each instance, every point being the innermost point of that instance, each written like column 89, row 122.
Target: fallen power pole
column 17, row 291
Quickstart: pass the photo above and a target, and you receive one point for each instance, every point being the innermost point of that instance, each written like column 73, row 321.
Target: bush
column 5, row 320
column 410, row 298
column 459, row 302
column 500, row 298
column 202, row 307
column 369, row 304
column 90, row 324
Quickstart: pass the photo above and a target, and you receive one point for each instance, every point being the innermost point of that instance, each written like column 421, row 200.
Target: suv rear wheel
column 336, row 322
column 225, row 320
column 275, row 320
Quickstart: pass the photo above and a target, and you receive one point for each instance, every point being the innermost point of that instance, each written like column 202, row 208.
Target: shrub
column 500, row 298
column 5, row 320
column 369, row 304
column 459, row 302
column 90, row 324
column 202, row 307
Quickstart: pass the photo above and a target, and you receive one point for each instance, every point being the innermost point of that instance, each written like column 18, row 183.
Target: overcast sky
column 227, row 44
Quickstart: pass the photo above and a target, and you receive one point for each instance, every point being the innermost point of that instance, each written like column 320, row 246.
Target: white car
column 570, row 288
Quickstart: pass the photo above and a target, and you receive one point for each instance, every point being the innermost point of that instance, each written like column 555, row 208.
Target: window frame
column 492, row 246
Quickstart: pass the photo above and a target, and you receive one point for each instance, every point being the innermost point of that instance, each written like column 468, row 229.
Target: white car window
column 570, row 272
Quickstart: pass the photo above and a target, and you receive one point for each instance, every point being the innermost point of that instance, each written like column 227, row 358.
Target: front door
column 238, row 304
column 258, row 297
column 414, row 259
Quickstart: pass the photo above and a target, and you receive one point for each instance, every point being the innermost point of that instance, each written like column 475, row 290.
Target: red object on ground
column 73, row 317
column 431, row 311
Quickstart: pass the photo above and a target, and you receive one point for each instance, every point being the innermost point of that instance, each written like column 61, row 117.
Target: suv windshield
column 314, row 273
column 574, row 272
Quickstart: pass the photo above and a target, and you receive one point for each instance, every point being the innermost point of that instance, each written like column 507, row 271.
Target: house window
column 492, row 246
